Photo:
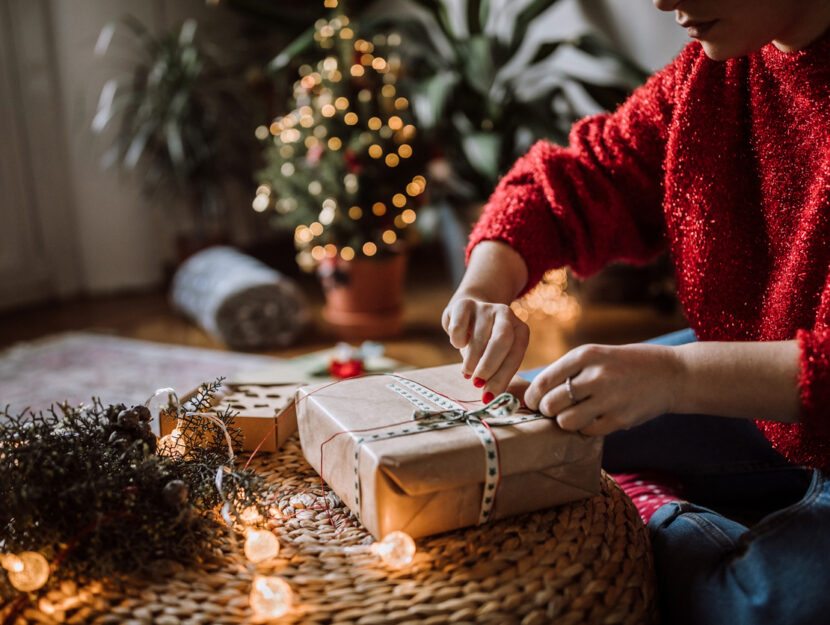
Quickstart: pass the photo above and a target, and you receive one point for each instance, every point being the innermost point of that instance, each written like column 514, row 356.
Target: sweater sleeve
column 814, row 380
column 600, row 198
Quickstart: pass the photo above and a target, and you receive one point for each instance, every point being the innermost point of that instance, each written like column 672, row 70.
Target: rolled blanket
column 239, row 300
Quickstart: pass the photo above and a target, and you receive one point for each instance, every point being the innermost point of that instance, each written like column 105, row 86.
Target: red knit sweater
column 726, row 164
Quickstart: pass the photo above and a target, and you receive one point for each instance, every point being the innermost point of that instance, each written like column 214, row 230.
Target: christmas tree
column 342, row 168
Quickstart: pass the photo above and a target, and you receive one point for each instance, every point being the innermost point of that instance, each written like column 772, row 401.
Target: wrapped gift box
column 257, row 406
column 434, row 480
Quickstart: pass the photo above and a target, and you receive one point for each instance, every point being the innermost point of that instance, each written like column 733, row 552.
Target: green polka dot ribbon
column 450, row 414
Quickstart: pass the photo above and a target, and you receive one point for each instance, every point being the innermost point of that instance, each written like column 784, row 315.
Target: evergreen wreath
column 92, row 490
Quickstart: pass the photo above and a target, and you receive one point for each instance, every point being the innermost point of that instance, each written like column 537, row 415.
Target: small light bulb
column 395, row 550
column 271, row 596
column 173, row 444
column 28, row 571
column 261, row 545
column 250, row 515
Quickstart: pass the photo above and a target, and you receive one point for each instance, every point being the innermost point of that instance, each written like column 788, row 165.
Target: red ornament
column 343, row 369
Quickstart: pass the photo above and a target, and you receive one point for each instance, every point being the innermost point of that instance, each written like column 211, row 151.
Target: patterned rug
column 74, row 367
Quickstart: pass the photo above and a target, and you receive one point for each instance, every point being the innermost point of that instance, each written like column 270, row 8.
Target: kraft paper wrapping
column 432, row 481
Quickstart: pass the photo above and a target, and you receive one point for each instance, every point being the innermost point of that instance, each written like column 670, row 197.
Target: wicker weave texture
column 584, row 562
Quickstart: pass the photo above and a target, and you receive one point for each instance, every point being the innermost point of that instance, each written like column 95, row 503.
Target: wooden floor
column 423, row 343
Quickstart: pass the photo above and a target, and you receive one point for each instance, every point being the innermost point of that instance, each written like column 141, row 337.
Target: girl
column 723, row 158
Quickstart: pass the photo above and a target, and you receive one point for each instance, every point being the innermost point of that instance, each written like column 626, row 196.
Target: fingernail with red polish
column 487, row 397
column 466, row 375
column 478, row 382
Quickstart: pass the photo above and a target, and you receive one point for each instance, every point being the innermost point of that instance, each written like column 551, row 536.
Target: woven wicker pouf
column 584, row 562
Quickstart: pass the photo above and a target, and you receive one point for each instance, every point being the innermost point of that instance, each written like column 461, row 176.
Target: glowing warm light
column 389, row 237
column 401, row 103
column 346, row 33
column 330, row 64
column 307, row 82
column 260, row 202
column 341, row 103
column 275, row 128
column 287, row 169
column 316, row 228
column 310, row 141
column 375, row 151
column 335, row 143
column 364, row 95
column 261, row 545
column 388, row 91
column 420, row 180
column 250, row 515
column 271, row 596
column 173, row 444
column 315, row 188
column 318, row 252
column 394, row 39
column 330, row 4
column 366, row 59
column 306, row 121
column 408, row 216
column 357, row 70
column 396, row 550
column 350, row 119
column 399, row 200
column 27, row 571
column 326, row 31
column 261, row 132
column 369, row 248
column 375, row 123
column 328, row 110
column 331, row 250
column 379, row 209
column 355, row 212
column 399, row 222
column 392, row 160
column 405, row 150
column 408, row 131
column 379, row 64
column 347, row 253
column 395, row 122
column 303, row 235
column 336, row 76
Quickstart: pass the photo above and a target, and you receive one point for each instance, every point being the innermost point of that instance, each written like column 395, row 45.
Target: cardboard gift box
column 434, row 474
column 257, row 407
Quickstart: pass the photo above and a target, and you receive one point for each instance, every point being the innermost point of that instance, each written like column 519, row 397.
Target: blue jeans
column 754, row 545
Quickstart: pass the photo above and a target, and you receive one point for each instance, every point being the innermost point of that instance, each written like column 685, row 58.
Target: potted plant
column 485, row 91
column 180, row 123
column 343, row 171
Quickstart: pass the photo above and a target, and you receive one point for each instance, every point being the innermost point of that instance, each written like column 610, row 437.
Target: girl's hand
column 492, row 340
column 613, row 387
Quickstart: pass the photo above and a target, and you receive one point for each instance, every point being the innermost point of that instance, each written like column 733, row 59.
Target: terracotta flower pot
column 364, row 296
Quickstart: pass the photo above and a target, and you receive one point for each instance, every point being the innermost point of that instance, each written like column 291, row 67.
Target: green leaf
column 429, row 104
column 478, row 66
column 482, row 152
column 299, row 45
column 478, row 11
column 175, row 146
column 544, row 51
column 525, row 18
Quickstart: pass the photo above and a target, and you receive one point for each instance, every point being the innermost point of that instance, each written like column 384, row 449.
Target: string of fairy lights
column 365, row 132
column 270, row 596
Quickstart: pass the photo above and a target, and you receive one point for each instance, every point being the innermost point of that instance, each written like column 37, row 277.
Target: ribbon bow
column 452, row 414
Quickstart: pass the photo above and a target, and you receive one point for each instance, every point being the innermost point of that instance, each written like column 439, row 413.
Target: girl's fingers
column 502, row 337
column 482, row 330
column 456, row 320
column 579, row 416
column 601, row 426
column 500, row 380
